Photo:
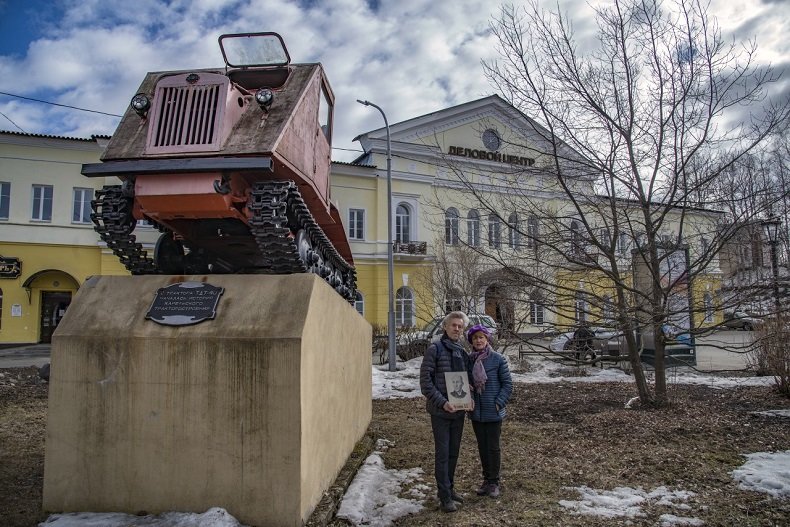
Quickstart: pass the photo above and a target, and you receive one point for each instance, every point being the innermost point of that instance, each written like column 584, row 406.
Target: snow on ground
column 622, row 501
column 214, row 517
column 375, row 497
column 767, row 472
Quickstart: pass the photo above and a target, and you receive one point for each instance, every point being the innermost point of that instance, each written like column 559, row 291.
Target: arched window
column 451, row 226
column 513, row 235
column 494, row 231
column 707, row 301
column 402, row 224
column 359, row 303
column 404, row 307
column 532, row 232
column 473, row 228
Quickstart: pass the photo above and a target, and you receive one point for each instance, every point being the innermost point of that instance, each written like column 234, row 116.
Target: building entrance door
column 53, row 307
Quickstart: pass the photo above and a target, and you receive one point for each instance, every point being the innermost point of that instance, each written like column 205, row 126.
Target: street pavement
column 23, row 356
column 722, row 350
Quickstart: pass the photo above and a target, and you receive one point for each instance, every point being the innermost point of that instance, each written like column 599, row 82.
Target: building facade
column 470, row 227
column 48, row 246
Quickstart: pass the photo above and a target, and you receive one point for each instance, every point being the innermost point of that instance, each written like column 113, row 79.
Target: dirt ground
column 558, row 437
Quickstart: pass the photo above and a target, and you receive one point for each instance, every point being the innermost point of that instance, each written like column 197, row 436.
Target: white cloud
column 410, row 57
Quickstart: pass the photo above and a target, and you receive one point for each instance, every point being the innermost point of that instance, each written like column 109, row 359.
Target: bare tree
column 629, row 138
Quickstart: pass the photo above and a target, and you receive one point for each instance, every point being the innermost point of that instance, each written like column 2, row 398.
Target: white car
column 415, row 341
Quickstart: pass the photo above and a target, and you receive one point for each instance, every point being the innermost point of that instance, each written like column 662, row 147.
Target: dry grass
column 573, row 434
column 557, row 436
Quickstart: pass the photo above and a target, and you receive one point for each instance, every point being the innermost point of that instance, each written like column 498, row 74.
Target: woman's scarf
column 479, row 376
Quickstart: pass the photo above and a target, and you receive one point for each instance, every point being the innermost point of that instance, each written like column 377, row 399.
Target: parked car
column 413, row 342
column 741, row 320
column 605, row 341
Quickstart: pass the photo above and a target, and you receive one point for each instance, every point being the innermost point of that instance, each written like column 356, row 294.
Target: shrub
column 771, row 355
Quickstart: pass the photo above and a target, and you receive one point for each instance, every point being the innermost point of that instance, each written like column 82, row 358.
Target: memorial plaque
column 184, row 304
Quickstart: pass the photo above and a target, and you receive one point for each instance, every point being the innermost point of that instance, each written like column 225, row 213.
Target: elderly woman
column 445, row 355
column 491, row 389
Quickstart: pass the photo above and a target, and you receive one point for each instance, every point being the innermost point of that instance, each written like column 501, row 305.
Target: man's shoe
column 484, row 489
column 448, row 506
column 456, row 497
column 493, row 490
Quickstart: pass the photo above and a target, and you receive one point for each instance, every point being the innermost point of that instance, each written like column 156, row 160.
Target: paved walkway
column 23, row 356
column 723, row 350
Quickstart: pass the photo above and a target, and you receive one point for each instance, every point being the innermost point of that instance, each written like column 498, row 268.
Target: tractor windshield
column 253, row 49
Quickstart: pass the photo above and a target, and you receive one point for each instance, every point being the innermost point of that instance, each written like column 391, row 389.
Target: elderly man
column 445, row 355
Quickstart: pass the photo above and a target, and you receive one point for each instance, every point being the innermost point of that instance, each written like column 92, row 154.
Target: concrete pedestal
column 254, row 411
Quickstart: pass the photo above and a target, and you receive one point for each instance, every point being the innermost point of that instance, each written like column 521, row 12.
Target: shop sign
column 10, row 267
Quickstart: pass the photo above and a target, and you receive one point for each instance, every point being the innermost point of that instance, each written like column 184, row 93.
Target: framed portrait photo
column 458, row 392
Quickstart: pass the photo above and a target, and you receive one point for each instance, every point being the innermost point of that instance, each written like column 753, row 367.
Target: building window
column 359, row 303
column 454, row 301
column 356, row 224
column 404, row 307
column 402, row 224
column 532, row 232
column 5, row 200
column 707, row 301
column 607, row 310
column 622, row 243
column 494, row 231
column 81, row 206
column 513, row 235
column 42, row 203
column 606, row 239
column 536, row 313
column 580, row 311
column 577, row 248
column 473, row 228
column 451, row 226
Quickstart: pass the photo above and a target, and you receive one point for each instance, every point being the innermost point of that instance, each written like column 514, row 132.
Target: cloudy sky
column 411, row 57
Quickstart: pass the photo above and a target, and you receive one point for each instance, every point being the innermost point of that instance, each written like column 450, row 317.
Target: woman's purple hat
column 474, row 329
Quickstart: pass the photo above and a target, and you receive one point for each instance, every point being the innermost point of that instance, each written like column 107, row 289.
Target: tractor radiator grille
column 187, row 115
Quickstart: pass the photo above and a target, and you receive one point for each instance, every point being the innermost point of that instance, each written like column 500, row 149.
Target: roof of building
column 48, row 136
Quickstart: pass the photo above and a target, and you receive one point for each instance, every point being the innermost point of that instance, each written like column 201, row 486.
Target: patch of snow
column 670, row 520
column 774, row 413
column 767, row 472
column 373, row 497
column 214, row 517
column 403, row 383
column 622, row 501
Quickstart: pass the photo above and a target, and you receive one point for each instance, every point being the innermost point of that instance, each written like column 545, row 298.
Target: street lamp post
column 771, row 226
column 390, row 300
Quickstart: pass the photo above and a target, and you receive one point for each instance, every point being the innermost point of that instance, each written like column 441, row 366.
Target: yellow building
column 464, row 189
column 48, row 245
column 473, row 213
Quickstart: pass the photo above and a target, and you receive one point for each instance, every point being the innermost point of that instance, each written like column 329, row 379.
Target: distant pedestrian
column 445, row 355
column 491, row 390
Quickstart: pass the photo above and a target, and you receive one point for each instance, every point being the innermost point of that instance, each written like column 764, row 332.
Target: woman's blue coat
column 497, row 391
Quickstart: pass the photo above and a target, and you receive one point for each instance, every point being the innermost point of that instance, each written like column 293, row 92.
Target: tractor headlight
column 141, row 104
column 264, row 97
